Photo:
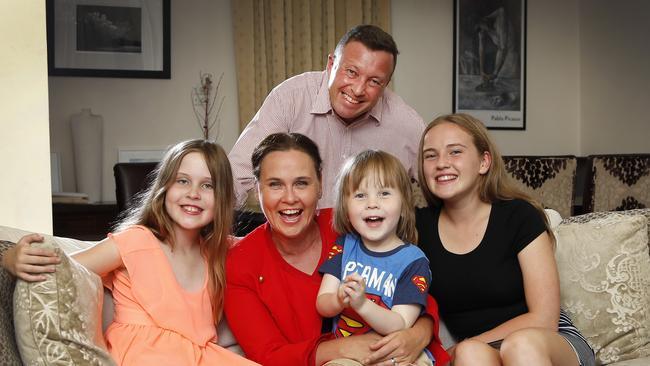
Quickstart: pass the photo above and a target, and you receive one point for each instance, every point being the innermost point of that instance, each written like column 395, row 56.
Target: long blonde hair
column 389, row 172
column 149, row 210
column 496, row 184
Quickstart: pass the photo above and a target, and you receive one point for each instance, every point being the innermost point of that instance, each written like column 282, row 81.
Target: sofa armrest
column 68, row 245
column 8, row 349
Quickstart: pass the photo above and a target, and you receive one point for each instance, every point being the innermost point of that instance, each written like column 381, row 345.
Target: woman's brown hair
column 282, row 141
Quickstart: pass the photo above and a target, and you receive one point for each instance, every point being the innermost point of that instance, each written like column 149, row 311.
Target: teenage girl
column 375, row 279
column 491, row 254
column 164, row 263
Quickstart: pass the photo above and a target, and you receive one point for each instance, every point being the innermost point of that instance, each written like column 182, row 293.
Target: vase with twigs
column 207, row 104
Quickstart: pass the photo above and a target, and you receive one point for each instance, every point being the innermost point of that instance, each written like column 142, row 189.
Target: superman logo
column 334, row 251
column 351, row 323
column 420, row 282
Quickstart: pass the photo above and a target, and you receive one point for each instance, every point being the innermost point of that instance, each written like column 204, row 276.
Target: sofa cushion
column 599, row 215
column 9, row 355
column 548, row 179
column 58, row 321
column 605, row 283
column 645, row 361
column 619, row 182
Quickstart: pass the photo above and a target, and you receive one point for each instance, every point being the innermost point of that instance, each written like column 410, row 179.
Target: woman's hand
column 29, row 263
column 395, row 346
column 354, row 348
column 404, row 346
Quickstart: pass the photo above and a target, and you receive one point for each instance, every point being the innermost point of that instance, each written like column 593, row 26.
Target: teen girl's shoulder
column 518, row 218
column 516, row 208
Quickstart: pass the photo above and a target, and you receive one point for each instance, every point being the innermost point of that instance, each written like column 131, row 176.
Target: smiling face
column 289, row 190
column 357, row 78
column 452, row 165
column 374, row 212
column 189, row 200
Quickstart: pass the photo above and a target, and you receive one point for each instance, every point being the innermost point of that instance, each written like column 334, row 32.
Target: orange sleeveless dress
column 156, row 321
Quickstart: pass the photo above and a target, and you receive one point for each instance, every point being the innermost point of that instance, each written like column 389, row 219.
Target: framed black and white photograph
column 490, row 61
column 109, row 38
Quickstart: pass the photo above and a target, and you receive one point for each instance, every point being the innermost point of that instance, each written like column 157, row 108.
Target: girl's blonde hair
column 148, row 210
column 496, row 183
column 389, row 172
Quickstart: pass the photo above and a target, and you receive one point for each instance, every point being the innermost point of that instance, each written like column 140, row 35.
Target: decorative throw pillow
column 550, row 180
column 604, row 271
column 8, row 351
column 58, row 321
column 620, row 182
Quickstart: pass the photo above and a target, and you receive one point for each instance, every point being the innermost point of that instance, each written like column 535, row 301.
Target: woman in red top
column 272, row 277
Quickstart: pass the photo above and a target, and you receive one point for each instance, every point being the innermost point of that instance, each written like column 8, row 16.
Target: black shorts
column 568, row 331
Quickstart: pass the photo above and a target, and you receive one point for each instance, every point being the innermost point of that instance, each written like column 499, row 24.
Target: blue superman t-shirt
column 399, row 276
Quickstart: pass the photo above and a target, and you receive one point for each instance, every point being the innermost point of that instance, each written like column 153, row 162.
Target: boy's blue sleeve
column 332, row 264
column 413, row 286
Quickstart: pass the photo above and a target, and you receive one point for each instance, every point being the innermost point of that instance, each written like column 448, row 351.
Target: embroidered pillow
column 604, row 271
column 58, row 321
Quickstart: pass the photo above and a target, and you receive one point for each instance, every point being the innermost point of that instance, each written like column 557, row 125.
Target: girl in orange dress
column 164, row 264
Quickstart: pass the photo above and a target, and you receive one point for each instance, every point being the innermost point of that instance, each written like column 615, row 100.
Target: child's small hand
column 355, row 287
column 343, row 297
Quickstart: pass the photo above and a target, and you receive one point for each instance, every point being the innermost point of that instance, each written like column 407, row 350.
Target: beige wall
column 581, row 70
column 423, row 31
column 615, row 76
column 149, row 112
column 24, row 147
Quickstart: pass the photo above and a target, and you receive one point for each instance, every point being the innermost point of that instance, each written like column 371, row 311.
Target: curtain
column 276, row 39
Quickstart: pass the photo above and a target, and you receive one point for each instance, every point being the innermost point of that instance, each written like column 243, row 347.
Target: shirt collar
column 322, row 104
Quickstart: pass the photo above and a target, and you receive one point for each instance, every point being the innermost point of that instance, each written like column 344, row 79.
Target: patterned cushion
column 9, row 355
column 620, row 182
column 604, row 270
column 581, row 219
column 548, row 179
column 58, row 321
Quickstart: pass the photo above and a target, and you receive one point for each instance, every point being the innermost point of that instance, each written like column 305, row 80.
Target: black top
column 482, row 289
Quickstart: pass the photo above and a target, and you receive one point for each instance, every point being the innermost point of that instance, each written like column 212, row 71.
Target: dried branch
column 204, row 98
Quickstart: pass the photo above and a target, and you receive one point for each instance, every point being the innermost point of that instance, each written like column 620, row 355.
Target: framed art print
column 109, row 38
column 490, row 61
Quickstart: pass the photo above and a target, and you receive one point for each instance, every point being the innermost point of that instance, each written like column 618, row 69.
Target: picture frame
column 490, row 62
column 109, row 38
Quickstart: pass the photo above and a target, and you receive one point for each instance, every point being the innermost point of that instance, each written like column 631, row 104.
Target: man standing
column 344, row 109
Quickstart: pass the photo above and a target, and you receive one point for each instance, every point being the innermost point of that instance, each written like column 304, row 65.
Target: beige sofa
column 603, row 259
